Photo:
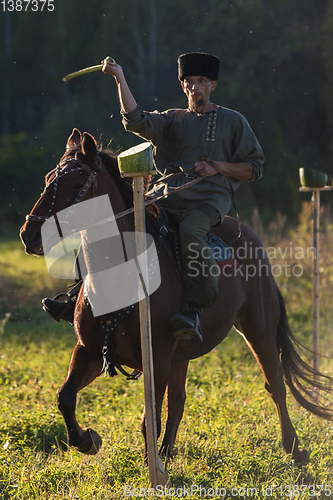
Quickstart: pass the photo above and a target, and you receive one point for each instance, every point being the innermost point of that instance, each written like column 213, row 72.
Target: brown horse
column 248, row 298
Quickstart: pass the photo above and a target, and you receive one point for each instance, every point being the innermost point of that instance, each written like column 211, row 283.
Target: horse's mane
column 109, row 159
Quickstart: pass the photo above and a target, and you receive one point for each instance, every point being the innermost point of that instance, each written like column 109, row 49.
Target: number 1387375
column 25, row 5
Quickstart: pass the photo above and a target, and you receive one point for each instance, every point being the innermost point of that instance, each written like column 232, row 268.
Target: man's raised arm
column 127, row 101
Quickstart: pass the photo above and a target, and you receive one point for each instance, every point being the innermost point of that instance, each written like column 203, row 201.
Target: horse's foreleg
column 176, row 396
column 83, row 370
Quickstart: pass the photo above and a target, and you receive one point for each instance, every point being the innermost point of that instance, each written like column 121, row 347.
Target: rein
column 92, row 179
column 153, row 200
column 171, row 176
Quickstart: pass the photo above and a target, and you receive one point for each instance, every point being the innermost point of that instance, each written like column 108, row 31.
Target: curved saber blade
column 82, row 72
column 91, row 69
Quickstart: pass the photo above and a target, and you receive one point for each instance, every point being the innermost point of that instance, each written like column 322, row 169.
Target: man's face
column 197, row 90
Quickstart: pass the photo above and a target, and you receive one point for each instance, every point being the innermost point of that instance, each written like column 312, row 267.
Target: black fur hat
column 198, row 64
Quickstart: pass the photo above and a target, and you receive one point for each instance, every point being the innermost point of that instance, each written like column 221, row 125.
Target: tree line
column 276, row 69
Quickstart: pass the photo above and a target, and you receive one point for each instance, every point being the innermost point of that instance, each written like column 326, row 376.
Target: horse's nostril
column 32, row 242
column 36, row 238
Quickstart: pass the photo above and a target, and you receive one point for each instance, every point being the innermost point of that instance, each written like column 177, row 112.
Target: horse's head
column 83, row 172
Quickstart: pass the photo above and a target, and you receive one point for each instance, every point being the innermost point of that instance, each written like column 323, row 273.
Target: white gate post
column 316, row 273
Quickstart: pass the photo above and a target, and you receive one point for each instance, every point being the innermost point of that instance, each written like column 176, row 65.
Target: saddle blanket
column 220, row 250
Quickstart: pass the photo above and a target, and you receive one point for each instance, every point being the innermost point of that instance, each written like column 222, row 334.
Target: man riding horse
column 211, row 142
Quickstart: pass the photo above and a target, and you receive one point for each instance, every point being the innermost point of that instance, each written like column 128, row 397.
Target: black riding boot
column 63, row 305
column 186, row 325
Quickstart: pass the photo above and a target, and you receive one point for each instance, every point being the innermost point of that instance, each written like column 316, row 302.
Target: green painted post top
column 137, row 160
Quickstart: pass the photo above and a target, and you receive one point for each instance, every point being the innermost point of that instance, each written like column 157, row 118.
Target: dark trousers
column 201, row 273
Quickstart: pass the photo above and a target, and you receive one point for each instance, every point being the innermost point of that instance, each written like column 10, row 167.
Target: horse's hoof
column 302, row 458
column 95, row 442
column 164, row 451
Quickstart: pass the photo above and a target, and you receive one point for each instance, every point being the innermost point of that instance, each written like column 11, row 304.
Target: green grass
column 229, row 438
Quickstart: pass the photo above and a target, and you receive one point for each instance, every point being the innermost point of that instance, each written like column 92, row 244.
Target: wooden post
column 137, row 163
column 157, row 474
column 316, row 282
column 316, row 274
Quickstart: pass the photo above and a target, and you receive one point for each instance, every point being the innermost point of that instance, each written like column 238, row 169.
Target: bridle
column 92, row 179
column 60, row 171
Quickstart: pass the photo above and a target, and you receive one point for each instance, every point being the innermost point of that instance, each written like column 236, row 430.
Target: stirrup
column 186, row 325
column 66, row 307
column 47, row 302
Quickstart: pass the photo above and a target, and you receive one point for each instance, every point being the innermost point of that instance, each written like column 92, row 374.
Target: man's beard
column 196, row 105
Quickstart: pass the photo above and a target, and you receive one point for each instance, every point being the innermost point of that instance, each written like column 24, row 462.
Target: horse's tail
column 303, row 381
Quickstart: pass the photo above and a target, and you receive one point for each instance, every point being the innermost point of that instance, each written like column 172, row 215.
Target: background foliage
column 276, row 69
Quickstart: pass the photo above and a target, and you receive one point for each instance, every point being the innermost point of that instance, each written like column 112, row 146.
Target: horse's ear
column 89, row 147
column 74, row 139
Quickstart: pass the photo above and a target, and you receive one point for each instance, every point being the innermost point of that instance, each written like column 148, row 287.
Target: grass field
column 228, row 444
